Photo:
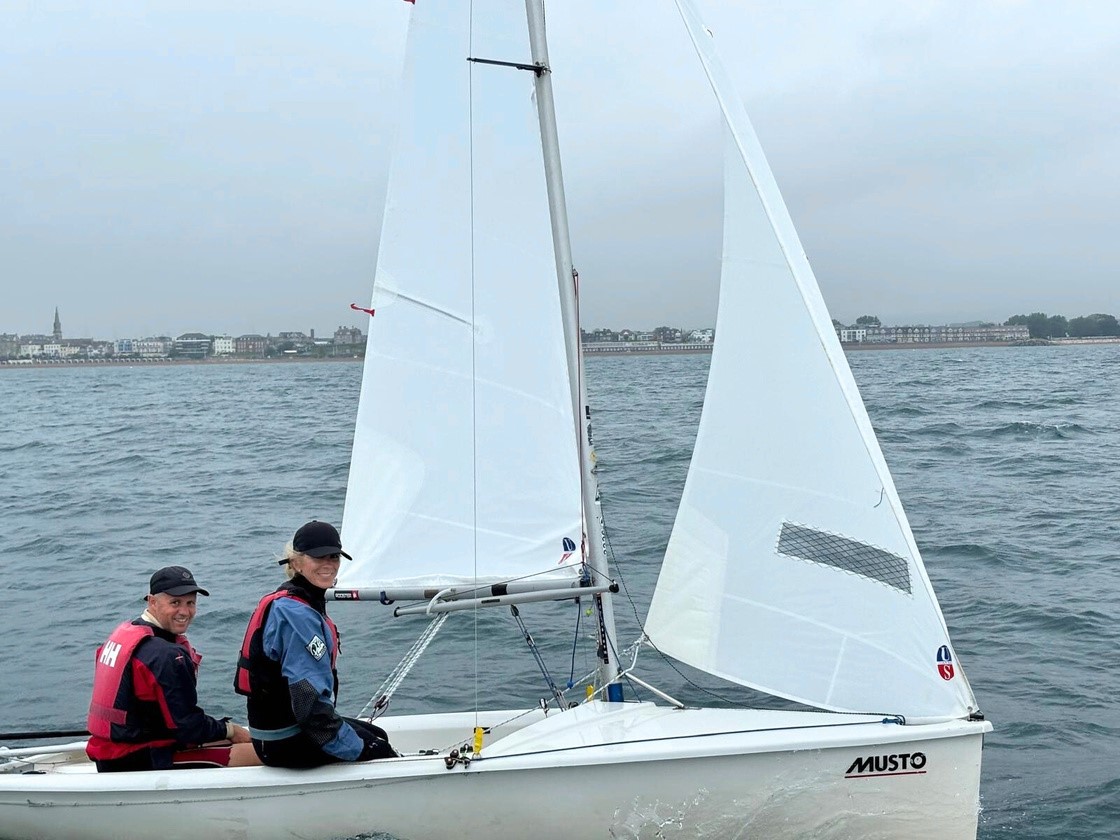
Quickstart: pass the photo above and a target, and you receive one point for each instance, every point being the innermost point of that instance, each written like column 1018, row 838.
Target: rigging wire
column 474, row 347
column 582, row 446
column 575, row 643
column 556, row 692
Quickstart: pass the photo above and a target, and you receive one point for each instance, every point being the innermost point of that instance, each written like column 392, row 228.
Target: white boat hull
column 599, row 771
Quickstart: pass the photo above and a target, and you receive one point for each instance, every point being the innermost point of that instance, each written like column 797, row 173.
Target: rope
column 379, row 702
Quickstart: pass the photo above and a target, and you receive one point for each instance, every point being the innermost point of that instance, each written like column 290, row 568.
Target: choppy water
column 1008, row 462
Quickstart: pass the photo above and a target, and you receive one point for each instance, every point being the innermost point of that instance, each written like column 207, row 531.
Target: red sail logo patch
column 945, row 662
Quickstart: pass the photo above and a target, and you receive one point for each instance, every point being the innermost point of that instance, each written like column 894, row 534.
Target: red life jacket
column 245, row 677
column 113, row 734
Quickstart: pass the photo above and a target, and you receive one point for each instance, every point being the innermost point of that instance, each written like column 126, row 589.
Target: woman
column 287, row 665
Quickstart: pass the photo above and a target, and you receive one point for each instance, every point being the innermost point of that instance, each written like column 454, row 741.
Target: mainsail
column 464, row 464
column 791, row 567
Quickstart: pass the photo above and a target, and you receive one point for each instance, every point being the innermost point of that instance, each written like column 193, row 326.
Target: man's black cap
column 318, row 539
column 174, row 580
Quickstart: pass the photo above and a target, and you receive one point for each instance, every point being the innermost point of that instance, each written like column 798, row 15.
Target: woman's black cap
column 318, row 539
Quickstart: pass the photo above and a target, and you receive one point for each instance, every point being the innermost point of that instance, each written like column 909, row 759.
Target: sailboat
column 791, row 567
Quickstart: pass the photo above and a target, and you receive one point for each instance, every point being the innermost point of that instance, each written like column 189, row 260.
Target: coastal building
column 9, row 345
column 191, row 346
column 628, row 347
column 601, row 339
column 156, row 346
column 223, row 345
column 291, row 343
column 348, row 341
column 668, row 335
column 83, row 348
column 671, row 340
column 251, row 345
column 924, row 334
column 349, row 336
column 32, row 346
column 52, row 347
column 599, row 336
column 633, row 335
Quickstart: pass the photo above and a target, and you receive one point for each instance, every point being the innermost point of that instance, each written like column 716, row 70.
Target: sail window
column 803, row 543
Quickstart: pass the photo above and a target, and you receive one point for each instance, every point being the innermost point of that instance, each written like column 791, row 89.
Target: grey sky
column 221, row 166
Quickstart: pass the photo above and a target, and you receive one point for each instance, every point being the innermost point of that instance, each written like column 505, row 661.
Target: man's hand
column 237, row 734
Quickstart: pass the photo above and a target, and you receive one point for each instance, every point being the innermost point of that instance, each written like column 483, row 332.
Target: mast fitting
column 535, row 69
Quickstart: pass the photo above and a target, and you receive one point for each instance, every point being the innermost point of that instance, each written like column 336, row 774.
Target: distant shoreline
column 917, row 345
column 909, row 345
column 135, row 363
column 645, row 351
column 926, row 345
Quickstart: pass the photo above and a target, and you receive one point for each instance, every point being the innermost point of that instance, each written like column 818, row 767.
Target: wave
column 1053, row 621
column 905, row 411
column 1026, row 428
column 941, row 429
column 19, row 447
column 1007, row 403
column 128, row 460
column 967, row 551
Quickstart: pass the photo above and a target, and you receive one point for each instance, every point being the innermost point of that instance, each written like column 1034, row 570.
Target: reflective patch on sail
column 804, row 543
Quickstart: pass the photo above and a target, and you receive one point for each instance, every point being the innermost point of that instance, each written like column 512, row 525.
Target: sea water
column 1007, row 461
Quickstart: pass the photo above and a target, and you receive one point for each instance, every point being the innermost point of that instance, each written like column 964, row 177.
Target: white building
column 852, row 334
column 223, row 345
column 151, row 348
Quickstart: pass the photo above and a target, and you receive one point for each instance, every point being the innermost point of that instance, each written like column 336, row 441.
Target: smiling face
column 173, row 612
column 319, row 571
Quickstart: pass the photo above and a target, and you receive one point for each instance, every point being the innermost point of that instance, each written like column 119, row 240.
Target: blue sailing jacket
column 297, row 650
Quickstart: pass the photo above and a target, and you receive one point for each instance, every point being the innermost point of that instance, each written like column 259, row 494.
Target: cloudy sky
column 220, row 166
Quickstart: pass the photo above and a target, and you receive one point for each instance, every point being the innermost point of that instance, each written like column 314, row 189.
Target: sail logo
column 894, row 764
column 569, row 546
column 945, row 662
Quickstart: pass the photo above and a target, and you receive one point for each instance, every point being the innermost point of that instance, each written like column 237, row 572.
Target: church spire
column 57, row 326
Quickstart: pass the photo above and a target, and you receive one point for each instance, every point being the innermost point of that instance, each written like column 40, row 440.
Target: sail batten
column 789, row 512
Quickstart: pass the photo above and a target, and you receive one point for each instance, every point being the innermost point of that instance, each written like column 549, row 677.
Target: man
column 145, row 714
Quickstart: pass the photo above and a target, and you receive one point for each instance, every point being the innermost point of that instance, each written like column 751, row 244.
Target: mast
column 565, row 275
